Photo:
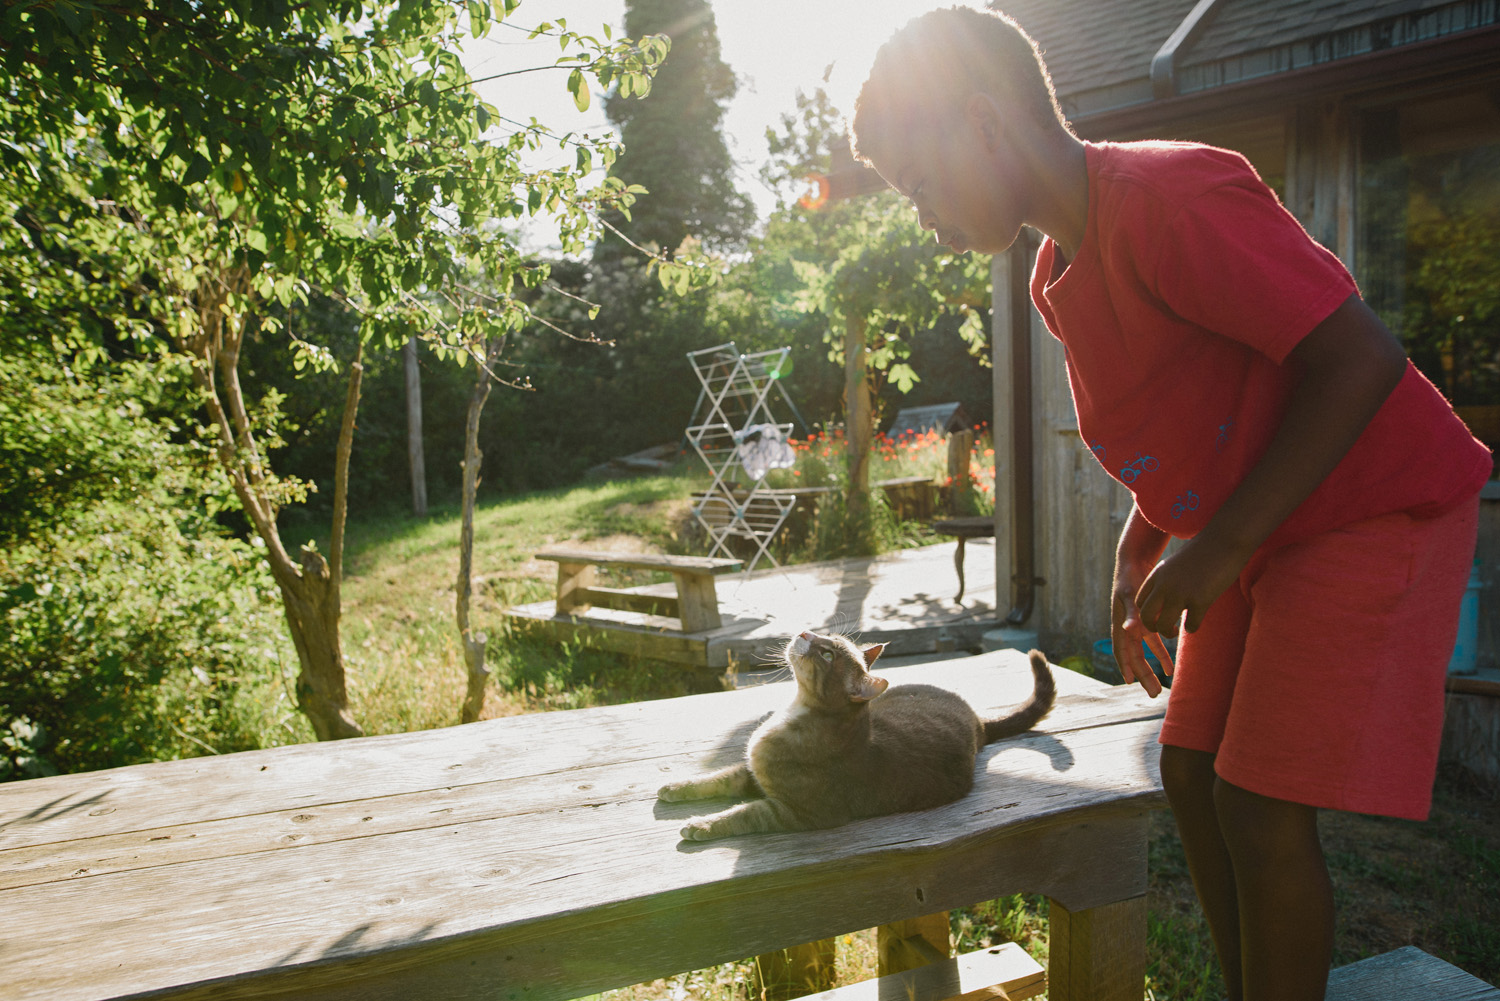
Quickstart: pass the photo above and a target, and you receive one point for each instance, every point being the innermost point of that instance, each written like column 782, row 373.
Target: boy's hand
column 1178, row 592
column 1127, row 634
column 1141, row 545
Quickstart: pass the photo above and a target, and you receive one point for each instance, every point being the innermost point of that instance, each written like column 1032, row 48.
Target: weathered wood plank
column 528, row 857
column 1407, row 972
column 359, row 899
column 629, row 601
column 707, row 729
column 643, row 561
column 1018, row 778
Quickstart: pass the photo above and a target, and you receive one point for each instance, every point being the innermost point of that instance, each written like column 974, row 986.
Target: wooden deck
column 903, row 599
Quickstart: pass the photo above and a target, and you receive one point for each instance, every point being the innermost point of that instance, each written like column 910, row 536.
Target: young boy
column 1224, row 368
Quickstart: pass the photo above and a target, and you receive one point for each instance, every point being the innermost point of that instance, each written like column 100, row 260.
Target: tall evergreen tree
column 673, row 138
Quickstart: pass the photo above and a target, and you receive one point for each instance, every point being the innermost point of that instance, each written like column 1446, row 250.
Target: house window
column 1428, row 240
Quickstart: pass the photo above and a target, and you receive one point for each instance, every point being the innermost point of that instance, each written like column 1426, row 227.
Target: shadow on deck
column 904, row 599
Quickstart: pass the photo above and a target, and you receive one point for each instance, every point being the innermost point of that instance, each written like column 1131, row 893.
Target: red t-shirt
column 1192, row 285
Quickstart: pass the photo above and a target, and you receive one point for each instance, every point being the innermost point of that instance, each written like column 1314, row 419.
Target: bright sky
column 774, row 47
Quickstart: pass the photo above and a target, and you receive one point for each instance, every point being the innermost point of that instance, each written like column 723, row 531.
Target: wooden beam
column 626, row 601
column 907, row 945
column 1098, row 954
column 643, row 561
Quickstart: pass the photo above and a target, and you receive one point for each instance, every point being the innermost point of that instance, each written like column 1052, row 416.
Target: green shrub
column 129, row 636
column 131, row 627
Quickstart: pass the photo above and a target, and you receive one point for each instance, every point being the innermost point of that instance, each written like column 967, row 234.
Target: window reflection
column 1428, row 254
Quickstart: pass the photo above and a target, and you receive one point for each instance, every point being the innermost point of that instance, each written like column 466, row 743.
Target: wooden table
column 528, row 857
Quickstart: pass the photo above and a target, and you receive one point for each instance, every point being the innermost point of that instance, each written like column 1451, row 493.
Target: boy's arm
column 1348, row 365
column 1141, row 545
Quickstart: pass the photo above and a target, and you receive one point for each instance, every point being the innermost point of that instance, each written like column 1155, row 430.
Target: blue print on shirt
column 1135, row 467
column 1223, row 439
column 1182, row 506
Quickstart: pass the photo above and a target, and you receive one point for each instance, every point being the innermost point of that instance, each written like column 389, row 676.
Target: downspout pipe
column 1164, row 63
column 1023, row 499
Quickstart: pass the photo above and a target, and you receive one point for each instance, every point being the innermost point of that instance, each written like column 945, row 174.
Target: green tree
column 674, row 140
column 178, row 175
column 866, row 269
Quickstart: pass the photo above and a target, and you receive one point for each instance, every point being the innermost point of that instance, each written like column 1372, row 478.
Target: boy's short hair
column 930, row 68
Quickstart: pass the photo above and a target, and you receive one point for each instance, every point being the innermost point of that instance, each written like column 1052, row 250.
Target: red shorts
column 1318, row 678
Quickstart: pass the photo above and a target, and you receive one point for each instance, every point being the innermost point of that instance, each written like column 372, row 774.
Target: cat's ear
column 872, row 653
column 867, row 687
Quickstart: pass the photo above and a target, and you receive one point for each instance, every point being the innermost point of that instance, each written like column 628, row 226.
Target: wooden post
column 906, row 945
column 1002, row 432
column 573, row 578
column 1097, row 954
column 960, row 451
column 795, row 972
column 697, row 602
column 414, row 455
column 858, row 417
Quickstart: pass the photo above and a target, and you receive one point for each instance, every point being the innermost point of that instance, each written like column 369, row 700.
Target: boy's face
column 961, row 183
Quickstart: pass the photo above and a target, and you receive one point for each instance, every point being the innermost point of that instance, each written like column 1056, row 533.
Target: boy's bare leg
column 1189, row 779
column 1285, row 896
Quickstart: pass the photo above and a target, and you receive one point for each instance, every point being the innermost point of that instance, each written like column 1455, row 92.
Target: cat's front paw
column 699, row 830
column 675, row 792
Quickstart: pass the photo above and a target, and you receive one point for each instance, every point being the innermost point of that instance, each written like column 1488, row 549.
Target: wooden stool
column 978, row 527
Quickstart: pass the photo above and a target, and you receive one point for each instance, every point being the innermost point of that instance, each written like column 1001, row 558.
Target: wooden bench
column 529, row 858
column 1406, row 973
column 696, row 603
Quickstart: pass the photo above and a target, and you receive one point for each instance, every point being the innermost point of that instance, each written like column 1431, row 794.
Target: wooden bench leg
column 697, row 602
column 572, row 580
column 1098, row 954
column 907, row 945
column 795, row 972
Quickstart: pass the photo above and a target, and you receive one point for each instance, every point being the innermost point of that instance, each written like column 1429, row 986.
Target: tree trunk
column 310, row 596
column 309, row 593
column 473, row 643
column 858, row 417
column 414, row 430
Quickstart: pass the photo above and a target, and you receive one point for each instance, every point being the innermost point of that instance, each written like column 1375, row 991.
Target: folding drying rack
column 733, row 427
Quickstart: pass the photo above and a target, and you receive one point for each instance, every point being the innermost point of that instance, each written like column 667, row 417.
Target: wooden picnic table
column 528, row 857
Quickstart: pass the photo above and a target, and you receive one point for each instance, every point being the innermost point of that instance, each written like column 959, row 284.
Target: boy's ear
column 984, row 114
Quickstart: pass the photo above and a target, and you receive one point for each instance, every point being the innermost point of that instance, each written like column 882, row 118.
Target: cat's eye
column 826, row 655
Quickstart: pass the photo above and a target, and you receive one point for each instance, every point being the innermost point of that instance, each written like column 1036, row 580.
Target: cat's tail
column 1036, row 707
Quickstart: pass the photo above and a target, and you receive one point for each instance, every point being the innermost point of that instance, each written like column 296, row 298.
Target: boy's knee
column 1262, row 828
column 1186, row 774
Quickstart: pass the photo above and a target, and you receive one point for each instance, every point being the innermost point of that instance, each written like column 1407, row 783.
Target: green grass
column 1435, row 885
column 401, row 645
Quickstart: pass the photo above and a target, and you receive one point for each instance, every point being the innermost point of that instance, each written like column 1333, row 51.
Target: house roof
column 1100, row 51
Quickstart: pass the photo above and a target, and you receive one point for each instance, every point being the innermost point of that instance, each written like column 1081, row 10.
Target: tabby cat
column 850, row 747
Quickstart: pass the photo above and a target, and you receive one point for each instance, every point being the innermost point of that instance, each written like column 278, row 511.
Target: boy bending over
column 1223, row 367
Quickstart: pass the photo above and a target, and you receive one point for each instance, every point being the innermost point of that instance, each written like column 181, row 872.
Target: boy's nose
column 926, row 219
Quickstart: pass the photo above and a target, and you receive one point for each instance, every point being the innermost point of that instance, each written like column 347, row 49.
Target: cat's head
column 832, row 672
